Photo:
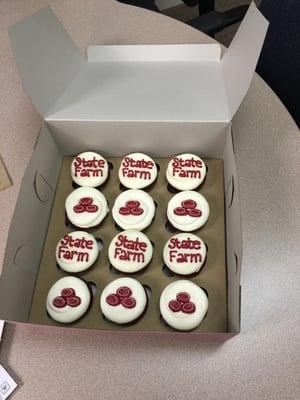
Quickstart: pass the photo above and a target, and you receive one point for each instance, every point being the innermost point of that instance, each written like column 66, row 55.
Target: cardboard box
column 159, row 99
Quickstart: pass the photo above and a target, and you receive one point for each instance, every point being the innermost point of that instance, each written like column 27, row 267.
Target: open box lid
column 189, row 83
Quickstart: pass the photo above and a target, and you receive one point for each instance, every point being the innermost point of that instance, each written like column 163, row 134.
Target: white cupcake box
column 184, row 104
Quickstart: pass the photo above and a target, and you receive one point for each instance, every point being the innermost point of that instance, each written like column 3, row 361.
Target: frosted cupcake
column 186, row 171
column 89, row 169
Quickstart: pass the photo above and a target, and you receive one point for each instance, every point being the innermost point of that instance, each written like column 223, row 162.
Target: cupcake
column 183, row 305
column 133, row 209
column 89, row 169
column 186, row 171
column 188, row 211
column 123, row 300
column 76, row 251
column 86, row 207
column 130, row 251
column 184, row 253
column 68, row 299
column 137, row 171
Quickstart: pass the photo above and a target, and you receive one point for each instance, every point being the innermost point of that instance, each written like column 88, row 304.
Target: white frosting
column 130, row 251
column 186, row 171
column 67, row 314
column 193, row 217
column 180, row 320
column 119, row 313
column 137, row 171
column 184, row 253
column 76, row 251
column 89, row 169
column 125, row 217
column 86, row 218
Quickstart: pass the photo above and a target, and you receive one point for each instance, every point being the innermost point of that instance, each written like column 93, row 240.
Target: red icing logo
column 88, row 168
column 188, row 207
column 67, row 297
column 85, row 205
column 137, row 169
column 182, row 303
column 72, row 249
column 186, row 168
column 130, row 250
column 175, row 255
column 123, row 297
column 132, row 207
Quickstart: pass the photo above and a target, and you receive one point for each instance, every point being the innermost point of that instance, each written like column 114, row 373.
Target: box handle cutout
column 42, row 188
column 229, row 194
column 24, row 256
column 236, row 263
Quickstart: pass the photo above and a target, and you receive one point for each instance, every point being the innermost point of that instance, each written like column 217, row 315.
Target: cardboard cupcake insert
column 212, row 277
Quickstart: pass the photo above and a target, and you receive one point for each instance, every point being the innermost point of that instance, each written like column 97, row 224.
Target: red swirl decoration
column 122, row 296
column 182, row 303
column 188, row 207
column 132, row 207
column 67, row 297
column 85, row 205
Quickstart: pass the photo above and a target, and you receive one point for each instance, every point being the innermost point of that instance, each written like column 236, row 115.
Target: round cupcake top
column 68, row 299
column 137, row 171
column 183, row 305
column 133, row 209
column 188, row 211
column 89, row 169
column 76, row 251
column 130, row 251
column 86, row 207
column 186, row 171
column 184, row 253
column 123, row 300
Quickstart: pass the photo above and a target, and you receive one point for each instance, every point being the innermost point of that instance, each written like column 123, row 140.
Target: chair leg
column 206, row 6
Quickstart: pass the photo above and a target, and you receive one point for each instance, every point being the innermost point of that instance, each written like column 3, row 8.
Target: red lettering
column 70, row 242
column 89, row 168
column 176, row 243
column 189, row 168
column 72, row 255
column 135, row 245
column 132, row 168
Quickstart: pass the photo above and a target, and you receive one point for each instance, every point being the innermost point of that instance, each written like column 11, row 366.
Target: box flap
column 155, row 52
column 157, row 91
column 185, row 83
column 239, row 61
column 171, row 83
column 47, row 58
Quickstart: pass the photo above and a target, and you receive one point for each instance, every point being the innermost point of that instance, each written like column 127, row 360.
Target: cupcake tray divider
column 212, row 277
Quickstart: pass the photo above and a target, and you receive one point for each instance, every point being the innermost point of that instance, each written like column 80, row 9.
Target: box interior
column 155, row 277
column 35, row 202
